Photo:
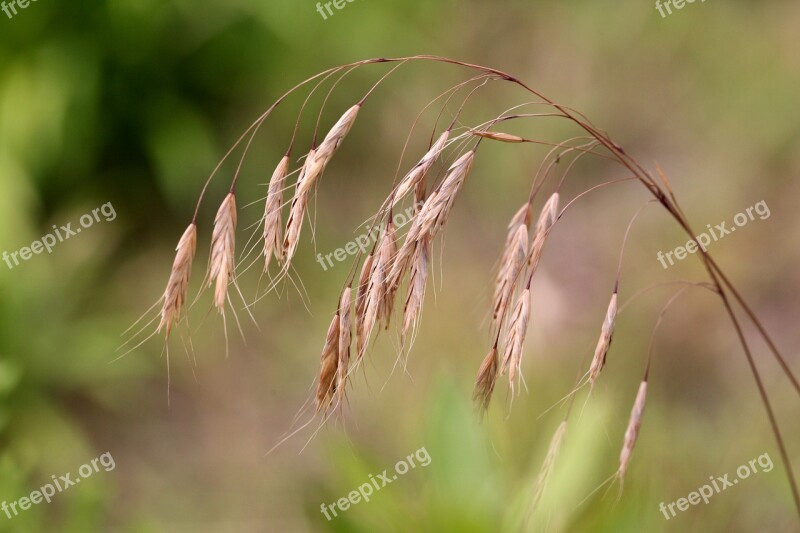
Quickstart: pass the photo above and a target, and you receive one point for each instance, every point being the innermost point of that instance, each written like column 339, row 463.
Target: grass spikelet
column 546, row 220
column 318, row 161
column 315, row 163
column 432, row 216
column 333, row 140
column 518, row 328
column 402, row 260
column 487, row 378
column 417, row 174
column 223, row 242
column 416, row 287
column 273, row 238
column 497, row 136
column 345, row 338
column 361, row 303
column 439, row 210
column 297, row 211
column 387, row 253
column 547, row 467
column 512, row 260
column 604, row 342
column 329, row 364
column 378, row 305
column 178, row 283
column 632, row 432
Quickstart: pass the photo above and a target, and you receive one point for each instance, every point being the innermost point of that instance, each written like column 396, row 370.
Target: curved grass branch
column 433, row 214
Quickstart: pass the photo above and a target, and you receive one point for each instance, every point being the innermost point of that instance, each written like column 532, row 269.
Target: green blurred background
column 134, row 103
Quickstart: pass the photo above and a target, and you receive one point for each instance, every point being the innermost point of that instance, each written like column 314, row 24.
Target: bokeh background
column 134, row 103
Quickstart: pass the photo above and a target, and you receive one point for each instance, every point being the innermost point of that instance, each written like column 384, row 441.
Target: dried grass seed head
column 178, row 283
column 345, row 338
column 498, row 136
column 326, row 388
column 319, row 158
column 416, row 288
column 632, row 431
column 223, row 244
column 604, row 342
column 547, row 466
column 518, row 329
column 297, row 210
column 547, row 218
column 378, row 306
column 417, row 174
column 361, row 303
column 273, row 237
column 487, row 378
column 510, row 272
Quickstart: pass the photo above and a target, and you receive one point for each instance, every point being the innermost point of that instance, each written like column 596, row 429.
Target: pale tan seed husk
column 178, row 283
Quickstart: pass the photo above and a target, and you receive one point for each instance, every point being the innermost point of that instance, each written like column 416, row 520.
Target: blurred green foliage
column 135, row 101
